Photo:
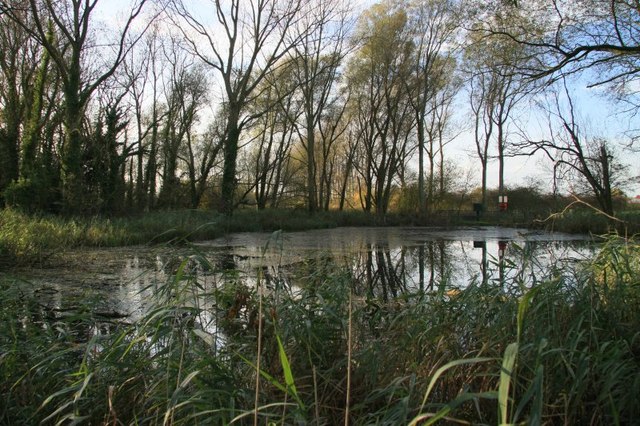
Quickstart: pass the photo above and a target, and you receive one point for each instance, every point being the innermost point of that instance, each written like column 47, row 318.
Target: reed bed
column 561, row 349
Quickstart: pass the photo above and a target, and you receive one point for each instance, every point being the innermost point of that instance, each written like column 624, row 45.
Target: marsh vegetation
column 319, row 343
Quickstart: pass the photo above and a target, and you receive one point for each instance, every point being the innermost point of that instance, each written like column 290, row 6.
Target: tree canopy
column 275, row 103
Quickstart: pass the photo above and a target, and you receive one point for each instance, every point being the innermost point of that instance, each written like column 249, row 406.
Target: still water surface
column 388, row 261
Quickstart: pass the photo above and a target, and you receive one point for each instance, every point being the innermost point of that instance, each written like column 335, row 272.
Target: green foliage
column 31, row 194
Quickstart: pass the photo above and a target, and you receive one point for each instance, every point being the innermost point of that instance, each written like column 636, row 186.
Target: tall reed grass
column 327, row 351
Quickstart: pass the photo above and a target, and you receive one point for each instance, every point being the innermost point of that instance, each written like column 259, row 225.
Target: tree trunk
column 230, row 156
column 152, row 167
column 311, row 169
column 500, row 160
column 484, row 183
column 607, row 196
column 422, row 207
column 72, row 179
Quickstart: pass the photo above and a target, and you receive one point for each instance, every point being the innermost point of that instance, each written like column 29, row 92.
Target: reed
column 329, row 350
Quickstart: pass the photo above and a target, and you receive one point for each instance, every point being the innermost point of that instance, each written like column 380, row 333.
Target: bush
column 30, row 196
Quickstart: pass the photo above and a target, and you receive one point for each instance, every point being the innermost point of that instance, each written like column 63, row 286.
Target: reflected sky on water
column 391, row 261
column 386, row 263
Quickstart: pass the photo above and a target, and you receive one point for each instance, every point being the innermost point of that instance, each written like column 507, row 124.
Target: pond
column 387, row 262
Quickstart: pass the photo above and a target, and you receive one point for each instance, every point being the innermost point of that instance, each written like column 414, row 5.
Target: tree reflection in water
column 389, row 272
column 385, row 263
column 385, row 273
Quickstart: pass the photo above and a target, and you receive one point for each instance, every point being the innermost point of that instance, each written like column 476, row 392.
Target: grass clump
column 26, row 237
column 316, row 344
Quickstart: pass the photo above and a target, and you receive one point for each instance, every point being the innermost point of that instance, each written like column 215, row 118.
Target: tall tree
column 201, row 155
column 245, row 43
column 345, row 168
column 434, row 24
column 494, row 64
column 156, row 115
column 331, row 130
column 480, row 90
column 201, row 149
column 439, row 131
column 273, row 134
column 72, row 21
column 379, row 101
column 186, row 94
column 139, row 76
column 317, row 58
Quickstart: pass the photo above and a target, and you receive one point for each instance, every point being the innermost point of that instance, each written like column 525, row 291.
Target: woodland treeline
column 280, row 103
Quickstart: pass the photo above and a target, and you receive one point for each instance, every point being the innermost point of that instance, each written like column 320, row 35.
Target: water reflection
column 386, row 263
column 386, row 272
column 410, row 264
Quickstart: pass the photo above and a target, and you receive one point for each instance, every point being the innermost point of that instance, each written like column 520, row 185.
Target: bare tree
column 568, row 37
column 598, row 39
column 440, row 132
column 493, row 68
column 244, row 44
column 480, row 100
column 140, row 76
column 583, row 161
